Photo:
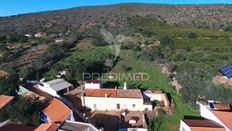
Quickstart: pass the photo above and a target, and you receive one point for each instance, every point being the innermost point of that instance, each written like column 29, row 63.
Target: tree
column 22, row 110
column 166, row 40
column 228, row 29
column 191, row 35
column 26, row 72
column 9, row 84
column 158, row 122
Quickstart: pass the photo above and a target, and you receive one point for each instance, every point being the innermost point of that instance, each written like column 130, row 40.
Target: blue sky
column 13, row 7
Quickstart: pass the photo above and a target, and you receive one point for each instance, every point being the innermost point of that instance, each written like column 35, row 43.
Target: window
column 118, row 106
column 133, row 105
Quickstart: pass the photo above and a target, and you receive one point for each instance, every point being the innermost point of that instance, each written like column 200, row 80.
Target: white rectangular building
column 115, row 99
column 219, row 113
column 55, row 87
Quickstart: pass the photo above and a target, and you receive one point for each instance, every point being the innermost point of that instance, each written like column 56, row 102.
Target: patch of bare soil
column 222, row 80
column 30, row 55
column 84, row 44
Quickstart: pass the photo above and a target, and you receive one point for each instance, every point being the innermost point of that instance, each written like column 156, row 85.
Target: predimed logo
column 114, row 45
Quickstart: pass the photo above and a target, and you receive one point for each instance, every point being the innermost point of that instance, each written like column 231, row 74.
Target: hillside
column 200, row 16
column 190, row 39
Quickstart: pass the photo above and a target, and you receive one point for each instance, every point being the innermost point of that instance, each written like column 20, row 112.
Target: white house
column 216, row 116
column 216, row 112
column 56, row 112
column 55, row 87
column 200, row 125
column 114, row 99
column 39, row 34
column 93, row 84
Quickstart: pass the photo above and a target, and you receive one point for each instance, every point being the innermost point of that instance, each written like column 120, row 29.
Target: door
column 118, row 106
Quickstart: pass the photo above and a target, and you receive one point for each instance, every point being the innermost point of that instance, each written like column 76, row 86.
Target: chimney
column 125, row 86
column 211, row 104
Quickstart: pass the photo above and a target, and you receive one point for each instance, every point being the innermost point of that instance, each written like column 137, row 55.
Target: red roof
column 225, row 117
column 57, row 111
column 221, row 107
column 222, row 112
column 93, row 81
column 47, row 127
column 101, row 92
column 118, row 93
column 4, row 100
column 201, row 123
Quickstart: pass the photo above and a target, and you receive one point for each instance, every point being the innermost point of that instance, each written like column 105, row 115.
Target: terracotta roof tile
column 4, row 100
column 201, row 123
column 207, row 129
column 56, row 111
column 225, row 117
column 119, row 93
column 100, row 92
column 222, row 107
column 129, row 93
column 93, row 81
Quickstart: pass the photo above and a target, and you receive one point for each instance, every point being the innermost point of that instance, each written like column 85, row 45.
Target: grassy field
column 157, row 81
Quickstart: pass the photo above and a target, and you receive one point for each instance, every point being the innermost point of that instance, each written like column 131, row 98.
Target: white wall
column 110, row 103
column 46, row 88
column 70, row 116
column 92, row 85
column 206, row 113
column 184, row 127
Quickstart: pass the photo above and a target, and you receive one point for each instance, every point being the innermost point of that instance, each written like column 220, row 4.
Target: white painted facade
column 46, row 88
column 93, row 85
column 54, row 87
column 111, row 103
column 207, row 113
column 184, row 126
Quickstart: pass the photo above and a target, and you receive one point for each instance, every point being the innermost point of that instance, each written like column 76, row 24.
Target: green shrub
column 228, row 29
column 191, row 35
column 166, row 40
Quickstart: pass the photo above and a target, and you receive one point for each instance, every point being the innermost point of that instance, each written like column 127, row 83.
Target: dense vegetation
column 22, row 110
column 193, row 49
column 196, row 57
column 198, row 16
